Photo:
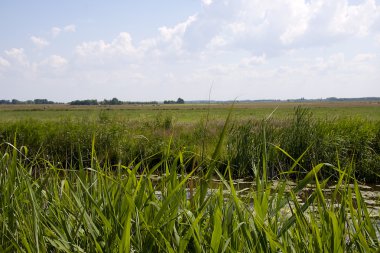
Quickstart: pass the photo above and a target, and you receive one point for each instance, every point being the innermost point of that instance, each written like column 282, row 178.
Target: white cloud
column 121, row 46
column 377, row 39
column 355, row 19
column 55, row 61
column 238, row 27
column 207, row 2
column 18, row 62
column 53, row 66
column 56, row 31
column 216, row 42
column 174, row 35
column 39, row 42
column 323, row 65
column 18, row 56
column 255, row 27
column 4, row 63
column 298, row 22
column 364, row 57
column 254, row 60
column 272, row 26
column 69, row 28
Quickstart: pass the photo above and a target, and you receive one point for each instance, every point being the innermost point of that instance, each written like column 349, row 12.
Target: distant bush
column 113, row 101
column 84, row 102
column 179, row 101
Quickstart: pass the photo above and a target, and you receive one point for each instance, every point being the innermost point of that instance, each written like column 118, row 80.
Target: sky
column 193, row 49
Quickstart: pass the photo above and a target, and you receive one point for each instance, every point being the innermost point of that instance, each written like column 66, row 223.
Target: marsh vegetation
column 89, row 184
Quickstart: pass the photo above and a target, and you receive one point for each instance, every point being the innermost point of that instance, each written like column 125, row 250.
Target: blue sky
column 157, row 50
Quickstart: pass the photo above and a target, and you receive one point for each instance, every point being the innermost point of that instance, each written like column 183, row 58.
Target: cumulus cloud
column 56, row 31
column 169, row 33
column 55, row 61
column 174, row 35
column 18, row 56
column 18, row 64
column 272, row 26
column 364, row 57
column 52, row 67
column 4, row 63
column 169, row 41
column 254, row 60
column 39, row 42
column 207, row 2
column 355, row 19
column 255, row 27
column 69, row 28
column 216, row 42
column 377, row 39
column 121, row 45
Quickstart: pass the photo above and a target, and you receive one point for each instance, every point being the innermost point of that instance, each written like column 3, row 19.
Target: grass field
column 84, row 179
column 348, row 131
column 191, row 112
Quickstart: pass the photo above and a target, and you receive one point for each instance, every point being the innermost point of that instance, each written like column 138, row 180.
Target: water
column 244, row 187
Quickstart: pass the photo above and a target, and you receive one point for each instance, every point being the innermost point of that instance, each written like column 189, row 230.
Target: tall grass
column 68, row 143
column 122, row 208
column 347, row 141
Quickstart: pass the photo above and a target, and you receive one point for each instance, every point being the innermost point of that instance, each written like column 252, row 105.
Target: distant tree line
column 113, row 101
column 179, row 101
column 43, row 101
column 140, row 103
column 335, row 99
column 35, row 101
column 116, row 101
column 84, row 102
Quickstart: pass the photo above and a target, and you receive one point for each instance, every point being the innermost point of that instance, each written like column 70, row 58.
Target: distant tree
column 116, row 101
column 140, row 103
column 5, row 102
column 42, row 101
column 15, row 101
column 113, row 101
column 84, row 102
column 179, row 101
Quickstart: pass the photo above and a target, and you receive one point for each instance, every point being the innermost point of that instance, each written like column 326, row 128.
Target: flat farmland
column 192, row 112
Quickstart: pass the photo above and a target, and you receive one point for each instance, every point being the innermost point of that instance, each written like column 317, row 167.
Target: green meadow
column 327, row 132
column 191, row 112
column 164, row 178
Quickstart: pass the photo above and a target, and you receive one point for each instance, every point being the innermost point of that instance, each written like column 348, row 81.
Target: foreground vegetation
column 122, row 208
column 115, row 185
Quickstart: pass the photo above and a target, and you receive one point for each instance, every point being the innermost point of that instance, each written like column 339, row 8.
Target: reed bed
column 67, row 143
column 122, row 208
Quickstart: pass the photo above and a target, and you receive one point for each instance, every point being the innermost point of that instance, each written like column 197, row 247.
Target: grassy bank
column 114, row 209
column 67, row 142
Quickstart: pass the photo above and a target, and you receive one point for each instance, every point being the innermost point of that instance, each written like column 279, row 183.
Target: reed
column 124, row 208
